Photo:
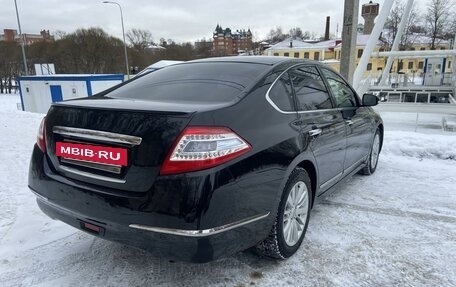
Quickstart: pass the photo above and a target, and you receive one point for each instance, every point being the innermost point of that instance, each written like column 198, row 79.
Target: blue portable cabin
column 38, row 92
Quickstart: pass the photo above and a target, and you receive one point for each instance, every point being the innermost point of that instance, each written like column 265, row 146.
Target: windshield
column 205, row 82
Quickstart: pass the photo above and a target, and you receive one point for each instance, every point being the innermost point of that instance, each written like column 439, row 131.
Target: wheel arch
column 311, row 170
column 306, row 161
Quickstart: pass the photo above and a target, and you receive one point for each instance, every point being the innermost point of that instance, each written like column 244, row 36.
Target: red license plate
column 94, row 153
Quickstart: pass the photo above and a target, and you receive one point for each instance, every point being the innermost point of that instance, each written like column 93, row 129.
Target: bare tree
column 309, row 35
column 139, row 39
column 393, row 21
column 277, row 35
column 450, row 30
column 437, row 17
column 10, row 65
column 174, row 51
column 296, row 32
column 203, row 48
column 89, row 50
column 59, row 34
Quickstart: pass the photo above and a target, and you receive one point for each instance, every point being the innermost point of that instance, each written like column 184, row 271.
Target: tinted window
column 205, row 82
column 344, row 95
column 281, row 93
column 311, row 93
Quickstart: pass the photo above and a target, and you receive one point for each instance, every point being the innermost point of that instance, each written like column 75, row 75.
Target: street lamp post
column 123, row 34
column 22, row 40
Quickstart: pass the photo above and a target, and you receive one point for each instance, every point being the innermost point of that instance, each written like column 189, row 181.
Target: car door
column 322, row 126
column 358, row 124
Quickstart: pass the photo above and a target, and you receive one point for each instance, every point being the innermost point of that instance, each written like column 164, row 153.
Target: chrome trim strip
column 49, row 202
column 41, row 197
column 270, row 88
column 91, row 175
column 290, row 112
column 112, row 168
column 315, row 132
column 201, row 232
column 331, row 181
column 347, row 170
column 352, row 167
column 97, row 135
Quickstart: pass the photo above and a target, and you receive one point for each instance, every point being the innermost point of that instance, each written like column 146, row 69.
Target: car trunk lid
column 145, row 135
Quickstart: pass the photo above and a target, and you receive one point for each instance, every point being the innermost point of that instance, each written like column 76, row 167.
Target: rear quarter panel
column 258, row 177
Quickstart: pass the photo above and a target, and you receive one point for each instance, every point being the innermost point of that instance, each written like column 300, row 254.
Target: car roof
column 163, row 63
column 265, row 60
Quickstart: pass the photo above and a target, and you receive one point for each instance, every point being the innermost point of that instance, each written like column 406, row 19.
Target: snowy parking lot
column 396, row 227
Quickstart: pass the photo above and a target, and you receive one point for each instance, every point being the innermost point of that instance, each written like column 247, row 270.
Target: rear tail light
column 199, row 148
column 41, row 136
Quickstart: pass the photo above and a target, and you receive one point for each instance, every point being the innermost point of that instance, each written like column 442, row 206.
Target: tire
column 281, row 244
column 372, row 163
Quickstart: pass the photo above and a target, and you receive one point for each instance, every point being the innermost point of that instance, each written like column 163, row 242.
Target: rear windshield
column 194, row 82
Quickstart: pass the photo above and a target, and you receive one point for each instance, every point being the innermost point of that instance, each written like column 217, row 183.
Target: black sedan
column 206, row 158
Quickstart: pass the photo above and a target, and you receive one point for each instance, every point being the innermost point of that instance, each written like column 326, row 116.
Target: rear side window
column 193, row 82
column 282, row 94
column 310, row 90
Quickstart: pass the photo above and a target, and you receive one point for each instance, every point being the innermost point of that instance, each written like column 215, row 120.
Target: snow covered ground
column 396, row 227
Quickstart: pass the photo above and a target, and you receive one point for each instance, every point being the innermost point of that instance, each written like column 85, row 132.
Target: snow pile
column 419, row 145
column 9, row 102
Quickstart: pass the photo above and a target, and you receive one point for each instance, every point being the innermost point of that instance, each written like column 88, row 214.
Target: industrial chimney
column 369, row 12
column 328, row 19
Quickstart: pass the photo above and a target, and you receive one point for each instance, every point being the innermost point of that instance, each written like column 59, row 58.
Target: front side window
column 310, row 90
column 281, row 93
column 344, row 95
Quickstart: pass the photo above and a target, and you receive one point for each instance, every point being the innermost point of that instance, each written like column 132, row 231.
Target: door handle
column 349, row 122
column 314, row 132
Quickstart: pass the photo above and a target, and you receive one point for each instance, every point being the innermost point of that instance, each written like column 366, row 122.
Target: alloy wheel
column 375, row 151
column 295, row 213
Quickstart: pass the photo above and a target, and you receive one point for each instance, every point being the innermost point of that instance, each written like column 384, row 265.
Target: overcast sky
column 180, row 20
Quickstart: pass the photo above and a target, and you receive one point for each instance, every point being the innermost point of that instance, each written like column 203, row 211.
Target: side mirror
column 370, row 100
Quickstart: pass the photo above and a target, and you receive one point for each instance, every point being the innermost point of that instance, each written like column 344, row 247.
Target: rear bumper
column 184, row 248
column 182, row 218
